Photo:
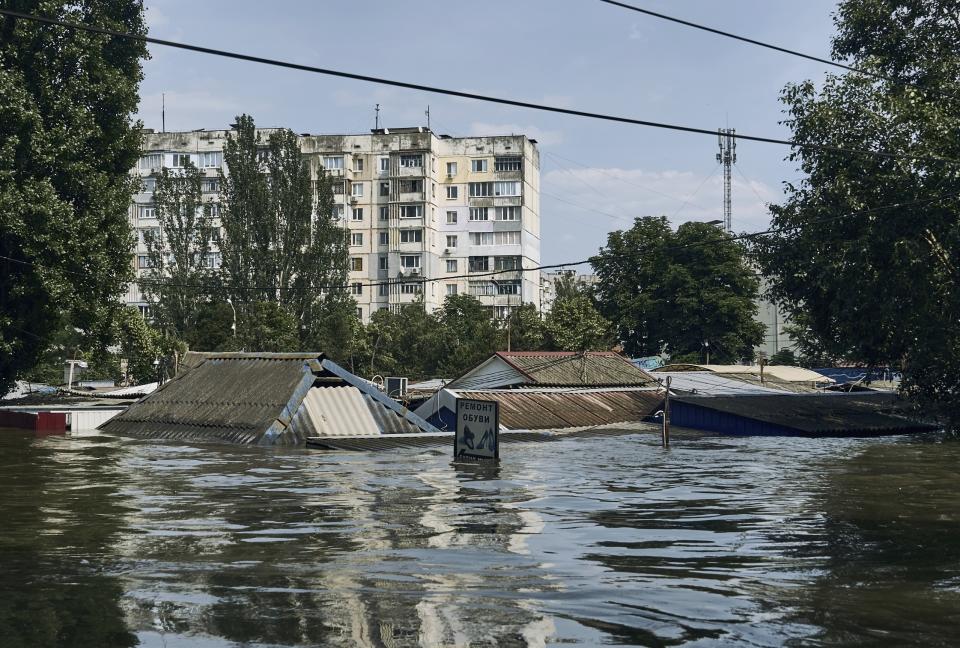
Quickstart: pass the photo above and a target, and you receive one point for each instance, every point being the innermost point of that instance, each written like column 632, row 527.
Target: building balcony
column 508, row 175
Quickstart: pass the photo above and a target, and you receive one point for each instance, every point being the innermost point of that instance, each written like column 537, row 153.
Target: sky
column 595, row 176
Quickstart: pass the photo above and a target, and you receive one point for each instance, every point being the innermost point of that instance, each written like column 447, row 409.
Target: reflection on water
column 111, row 542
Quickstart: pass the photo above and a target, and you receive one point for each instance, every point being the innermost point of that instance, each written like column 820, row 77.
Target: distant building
column 775, row 337
column 418, row 205
column 549, row 281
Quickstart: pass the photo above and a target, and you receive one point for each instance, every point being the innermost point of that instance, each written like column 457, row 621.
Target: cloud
column 544, row 137
column 580, row 206
column 636, row 33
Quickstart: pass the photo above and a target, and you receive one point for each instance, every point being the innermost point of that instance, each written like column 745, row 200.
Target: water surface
column 109, row 541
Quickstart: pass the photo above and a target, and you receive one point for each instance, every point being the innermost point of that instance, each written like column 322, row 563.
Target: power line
column 771, row 46
column 425, row 280
column 695, row 192
column 458, row 93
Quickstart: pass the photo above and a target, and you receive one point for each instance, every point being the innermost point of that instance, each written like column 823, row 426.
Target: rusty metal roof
column 528, row 409
column 595, row 369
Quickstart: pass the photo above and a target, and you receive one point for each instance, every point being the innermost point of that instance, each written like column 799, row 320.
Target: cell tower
column 728, row 157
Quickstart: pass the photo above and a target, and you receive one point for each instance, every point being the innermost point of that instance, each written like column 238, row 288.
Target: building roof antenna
column 376, row 118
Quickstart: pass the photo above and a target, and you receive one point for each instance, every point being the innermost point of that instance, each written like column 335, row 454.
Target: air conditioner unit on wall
column 396, row 386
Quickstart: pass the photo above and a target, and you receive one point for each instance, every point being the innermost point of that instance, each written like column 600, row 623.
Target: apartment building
column 428, row 214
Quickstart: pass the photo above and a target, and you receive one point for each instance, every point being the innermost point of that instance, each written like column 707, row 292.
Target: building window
column 411, row 160
column 143, row 261
column 502, row 312
column 384, row 213
column 210, row 185
column 512, row 163
column 356, row 264
column 506, row 263
column 384, row 261
column 212, row 260
column 411, row 236
column 332, row 162
column 384, row 164
column 451, row 217
column 151, row 161
column 384, row 189
column 451, row 240
column 356, row 190
column 181, row 160
column 359, row 313
column 508, row 213
column 211, row 159
column 478, row 166
column 451, row 265
column 356, row 238
column 410, row 288
column 481, row 288
column 357, row 214
column 411, row 211
column 411, row 186
column 358, row 164
column 337, row 188
column 451, row 168
column 356, row 288
column 481, row 189
column 384, row 289
column 146, row 211
column 384, row 238
column 149, row 234
column 479, row 264
column 494, row 238
column 479, row 214
column 451, row 289
column 410, row 261
column 506, row 188
column 508, row 287
column 453, row 192
column 149, row 184
column 337, row 213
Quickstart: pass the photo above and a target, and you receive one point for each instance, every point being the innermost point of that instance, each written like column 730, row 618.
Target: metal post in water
column 666, row 416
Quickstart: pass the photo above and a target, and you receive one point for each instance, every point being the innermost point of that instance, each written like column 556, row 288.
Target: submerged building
column 418, row 206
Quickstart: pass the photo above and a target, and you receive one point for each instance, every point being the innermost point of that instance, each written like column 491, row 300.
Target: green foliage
column 212, row 327
column 574, row 323
column 468, row 335
column 784, row 357
column 178, row 280
column 266, row 326
column 526, row 330
column 281, row 242
column 678, row 291
column 871, row 284
column 67, row 142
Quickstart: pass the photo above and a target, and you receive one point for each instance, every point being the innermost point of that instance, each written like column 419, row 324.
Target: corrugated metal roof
column 242, row 398
column 778, row 372
column 710, row 384
column 576, row 369
column 337, row 411
column 522, row 409
column 810, row 414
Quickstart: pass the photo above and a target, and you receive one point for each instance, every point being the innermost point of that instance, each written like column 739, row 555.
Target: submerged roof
column 530, row 409
column 710, row 384
column 813, row 414
column 265, row 399
column 778, row 372
column 554, row 368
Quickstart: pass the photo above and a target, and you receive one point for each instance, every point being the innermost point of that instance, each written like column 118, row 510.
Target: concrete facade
column 418, row 206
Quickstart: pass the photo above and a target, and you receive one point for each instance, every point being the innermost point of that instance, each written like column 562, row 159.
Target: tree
column 178, row 280
column 866, row 256
column 404, row 343
column 468, row 335
column 282, row 242
column 574, row 324
column 525, row 329
column 784, row 357
column 67, row 143
column 690, row 290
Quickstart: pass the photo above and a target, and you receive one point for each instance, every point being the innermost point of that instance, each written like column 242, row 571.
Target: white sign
column 478, row 427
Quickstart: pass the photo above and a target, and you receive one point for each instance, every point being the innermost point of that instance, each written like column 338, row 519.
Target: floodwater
column 604, row 541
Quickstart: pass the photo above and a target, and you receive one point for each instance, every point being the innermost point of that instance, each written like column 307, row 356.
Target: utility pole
column 428, row 117
column 728, row 157
column 163, row 112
